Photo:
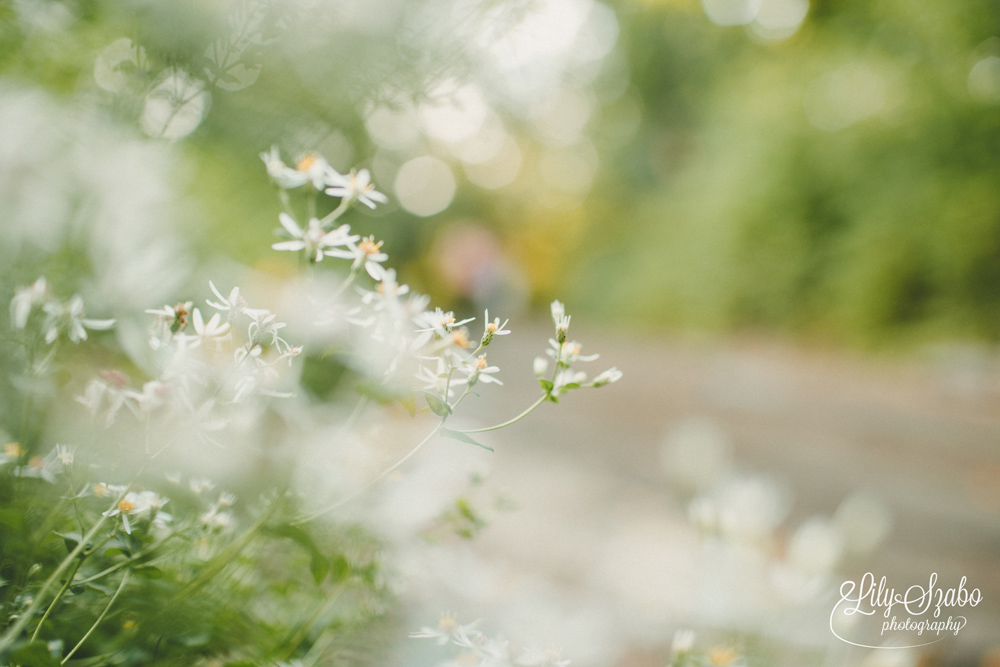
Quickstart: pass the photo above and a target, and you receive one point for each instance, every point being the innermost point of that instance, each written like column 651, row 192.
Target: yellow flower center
column 37, row 463
column 492, row 327
column 447, row 623
column 126, row 506
column 460, row 338
column 368, row 245
column 306, row 162
column 481, row 362
column 13, row 450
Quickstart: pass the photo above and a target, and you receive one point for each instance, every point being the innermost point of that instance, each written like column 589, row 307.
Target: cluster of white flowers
column 566, row 353
column 480, row 649
column 60, row 316
column 45, row 468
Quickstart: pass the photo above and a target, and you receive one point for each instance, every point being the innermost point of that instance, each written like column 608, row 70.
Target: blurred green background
column 827, row 170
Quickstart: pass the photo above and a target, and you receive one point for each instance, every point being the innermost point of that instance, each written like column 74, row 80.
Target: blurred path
column 924, row 437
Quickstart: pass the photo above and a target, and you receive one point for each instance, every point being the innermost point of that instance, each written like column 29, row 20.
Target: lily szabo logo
column 870, row 611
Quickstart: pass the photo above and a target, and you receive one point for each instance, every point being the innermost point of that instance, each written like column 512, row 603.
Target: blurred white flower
column 25, row 299
column 367, row 253
column 70, row 316
column 478, row 369
column 356, row 185
column 214, row 331
column 607, row 377
column 533, row 656
column 234, row 305
column 561, row 320
column 314, row 240
column 312, row 168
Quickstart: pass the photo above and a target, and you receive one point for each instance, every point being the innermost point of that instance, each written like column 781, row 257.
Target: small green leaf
column 463, row 437
column 437, row 405
column 318, row 564
column 546, row 385
column 573, row 385
column 35, row 654
column 341, row 568
column 71, row 540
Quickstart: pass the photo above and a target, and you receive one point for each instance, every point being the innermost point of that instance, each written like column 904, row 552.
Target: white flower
column 492, row 329
column 40, row 468
column 312, row 169
column 387, row 291
column 541, row 366
column 567, row 380
column 213, row 331
column 25, row 299
column 607, row 377
column 367, row 253
column 446, row 627
column 435, row 381
column 234, row 305
column 561, row 320
column 479, row 370
column 65, row 454
column 168, row 321
column 214, row 519
column 263, row 331
column 568, row 352
column 356, row 185
column 314, row 240
column 439, row 322
column 71, row 317
column 129, row 505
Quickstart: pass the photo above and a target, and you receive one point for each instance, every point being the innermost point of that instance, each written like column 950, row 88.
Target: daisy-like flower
column 492, row 329
column 569, row 352
column 234, row 305
column 40, row 468
column 366, row 253
column 312, row 168
column 201, row 485
column 478, row 370
column 65, row 454
column 313, row 240
column 446, row 630
column 25, row 299
column 439, row 322
column 107, row 394
column 213, row 331
column 435, row 381
column 175, row 317
column 127, row 506
column 356, row 186
column 102, row 490
column 70, row 316
column 387, row 290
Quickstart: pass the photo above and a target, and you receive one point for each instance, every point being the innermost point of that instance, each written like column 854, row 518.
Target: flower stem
column 99, row 618
column 521, row 416
column 12, row 633
column 55, row 600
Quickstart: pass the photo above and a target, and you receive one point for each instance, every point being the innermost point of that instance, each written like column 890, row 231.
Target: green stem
column 99, row 618
column 333, row 215
column 55, row 600
column 521, row 416
column 330, row 508
column 12, row 633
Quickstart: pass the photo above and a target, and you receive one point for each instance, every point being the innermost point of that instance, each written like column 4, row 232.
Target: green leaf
column 463, row 437
column 150, row 571
column 546, row 385
column 318, row 564
column 437, row 405
column 573, row 385
column 341, row 568
column 71, row 540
